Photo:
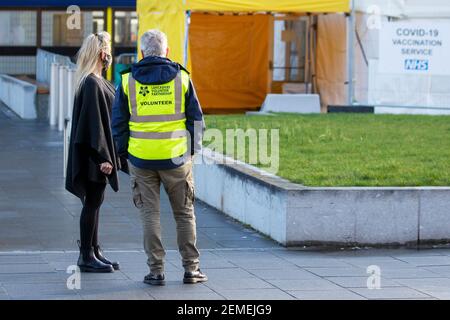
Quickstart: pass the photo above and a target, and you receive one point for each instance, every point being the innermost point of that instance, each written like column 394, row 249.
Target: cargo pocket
column 137, row 197
column 190, row 194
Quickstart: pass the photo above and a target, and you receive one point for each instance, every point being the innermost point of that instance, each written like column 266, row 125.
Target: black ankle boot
column 87, row 262
column 99, row 255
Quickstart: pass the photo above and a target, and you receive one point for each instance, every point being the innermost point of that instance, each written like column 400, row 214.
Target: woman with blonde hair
column 92, row 161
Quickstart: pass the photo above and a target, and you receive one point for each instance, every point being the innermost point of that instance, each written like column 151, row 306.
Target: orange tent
column 226, row 43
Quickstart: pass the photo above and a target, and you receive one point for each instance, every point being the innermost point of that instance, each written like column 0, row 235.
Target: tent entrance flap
column 230, row 59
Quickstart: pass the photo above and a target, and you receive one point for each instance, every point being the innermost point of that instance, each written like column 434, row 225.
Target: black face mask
column 107, row 62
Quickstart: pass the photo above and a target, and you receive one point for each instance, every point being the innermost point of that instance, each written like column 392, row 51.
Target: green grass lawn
column 355, row 149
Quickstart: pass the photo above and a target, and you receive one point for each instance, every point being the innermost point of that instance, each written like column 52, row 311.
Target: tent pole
column 308, row 54
column 351, row 25
column 186, row 38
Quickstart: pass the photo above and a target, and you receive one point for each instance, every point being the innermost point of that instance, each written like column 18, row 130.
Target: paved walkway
column 39, row 229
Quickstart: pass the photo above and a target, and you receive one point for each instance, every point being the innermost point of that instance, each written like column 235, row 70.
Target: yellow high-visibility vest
column 157, row 118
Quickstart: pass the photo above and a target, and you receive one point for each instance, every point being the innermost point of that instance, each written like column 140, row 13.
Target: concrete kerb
column 296, row 215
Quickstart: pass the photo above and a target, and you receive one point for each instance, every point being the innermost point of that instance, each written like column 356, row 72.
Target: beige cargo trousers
column 179, row 185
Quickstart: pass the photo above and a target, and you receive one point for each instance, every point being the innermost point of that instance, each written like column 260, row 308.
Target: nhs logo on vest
column 417, row 65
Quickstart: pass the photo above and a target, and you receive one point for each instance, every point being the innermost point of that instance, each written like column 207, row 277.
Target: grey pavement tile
column 216, row 263
column 25, row 268
column 62, row 266
column 23, row 290
column 33, row 278
column 7, row 215
column 300, row 285
column 284, row 274
column 290, row 253
column 228, row 233
column 405, row 253
column 71, row 296
column 309, row 262
column 361, row 282
column 211, row 264
column 175, row 286
column 440, row 270
column 339, row 272
column 208, row 244
column 21, row 259
column 131, row 294
column 427, row 260
column 271, row 263
column 204, row 221
column 439, row 284
column 103, row 287
column 116, row 275
column 382, row 262
column 256, row 294
column 60, row 256
column 64, row 297
column 408, row 273
column 138, row 277
column 184, row 296
column 390, row 293
column 204, row 255
column 127, row 256
column 139, row 267
column 247, row 243
column 128, row 265
column 247, row 253
column 218, row 284
column 326, row 295
column 438, row 294
column 227, row 273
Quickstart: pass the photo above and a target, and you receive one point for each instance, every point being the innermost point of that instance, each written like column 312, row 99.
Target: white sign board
column 415, row 46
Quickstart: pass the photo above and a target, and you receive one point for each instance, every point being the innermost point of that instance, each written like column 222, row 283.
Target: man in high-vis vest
column 157, row 124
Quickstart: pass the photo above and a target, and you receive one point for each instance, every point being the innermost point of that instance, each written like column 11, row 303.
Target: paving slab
column 326, row 295
column 361, row 282
column 390, row 293
column 256, row 294
column 338, row 271
column 308, row 285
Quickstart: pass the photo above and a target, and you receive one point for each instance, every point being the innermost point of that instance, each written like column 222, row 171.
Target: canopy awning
column 169, row 16
column 231, row 52
column 269, row 5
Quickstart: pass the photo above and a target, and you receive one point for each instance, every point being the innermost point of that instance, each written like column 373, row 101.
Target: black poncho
column 91, row 141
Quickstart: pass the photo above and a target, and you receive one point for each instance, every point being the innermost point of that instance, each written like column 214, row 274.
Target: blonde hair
column 88, row 55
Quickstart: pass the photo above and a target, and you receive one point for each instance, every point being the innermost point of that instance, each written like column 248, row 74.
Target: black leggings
column 95, row 193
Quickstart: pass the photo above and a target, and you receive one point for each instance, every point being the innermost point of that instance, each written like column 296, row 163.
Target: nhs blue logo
column 416, row 65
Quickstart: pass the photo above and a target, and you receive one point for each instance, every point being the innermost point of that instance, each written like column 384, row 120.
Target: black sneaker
column 155, row 280
column 194, row 277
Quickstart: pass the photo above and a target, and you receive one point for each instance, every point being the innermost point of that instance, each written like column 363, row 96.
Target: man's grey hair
column 154, row 43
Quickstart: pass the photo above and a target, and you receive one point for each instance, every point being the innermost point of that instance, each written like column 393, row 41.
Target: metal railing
column 62, row 94
column 59, row 73
column 44, row 60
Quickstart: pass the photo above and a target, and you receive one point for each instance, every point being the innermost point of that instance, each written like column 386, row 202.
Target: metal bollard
column 62, row 96
column 67, row 126
column 68, row 118
column 70, row 91
column 54, row 94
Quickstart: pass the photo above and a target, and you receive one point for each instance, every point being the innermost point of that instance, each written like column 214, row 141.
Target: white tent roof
column 405, row 8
